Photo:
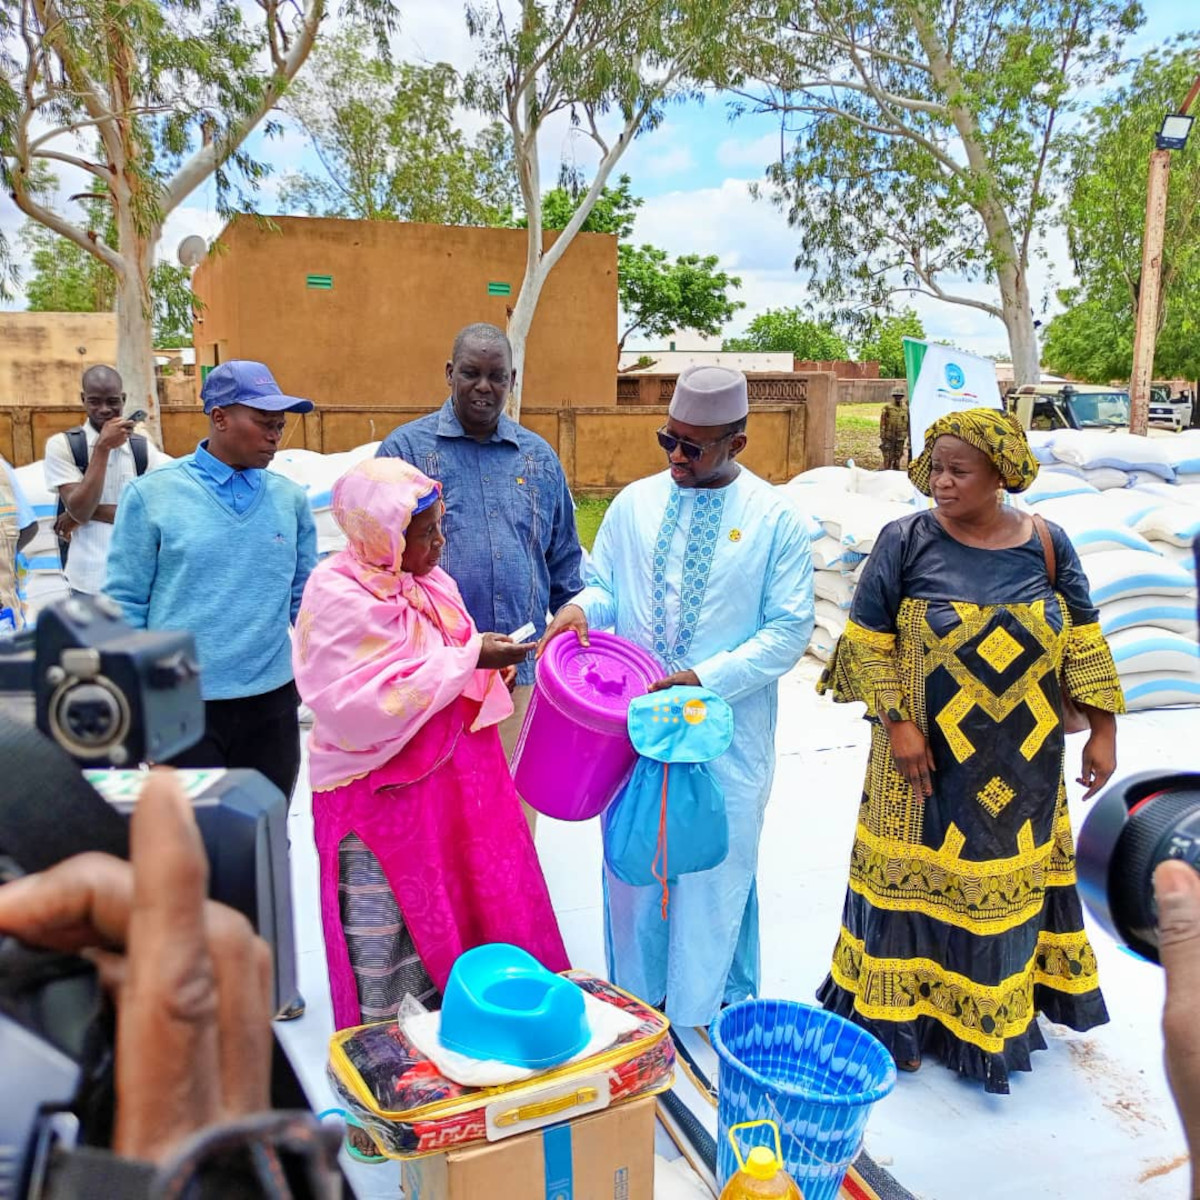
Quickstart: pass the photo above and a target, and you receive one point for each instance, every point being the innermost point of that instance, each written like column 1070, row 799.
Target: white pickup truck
column 1172, row 411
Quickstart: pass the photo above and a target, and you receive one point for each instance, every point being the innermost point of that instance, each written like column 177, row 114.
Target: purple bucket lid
column 598, row 682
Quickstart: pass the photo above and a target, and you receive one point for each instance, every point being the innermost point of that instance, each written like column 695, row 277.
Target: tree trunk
column 1018, row 321
column 519, row 325
column 135, row 317
column 1011, row 265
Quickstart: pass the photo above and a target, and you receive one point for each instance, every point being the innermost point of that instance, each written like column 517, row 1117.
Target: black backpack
column 77, row 441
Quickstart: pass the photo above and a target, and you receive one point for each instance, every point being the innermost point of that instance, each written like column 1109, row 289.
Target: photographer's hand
column 1177, row 893
column 192, row 981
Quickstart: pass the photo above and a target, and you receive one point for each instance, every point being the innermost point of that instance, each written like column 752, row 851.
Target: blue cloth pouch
column 669, row 819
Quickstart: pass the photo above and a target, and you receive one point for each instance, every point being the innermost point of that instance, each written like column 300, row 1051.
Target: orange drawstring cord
column 661, row 851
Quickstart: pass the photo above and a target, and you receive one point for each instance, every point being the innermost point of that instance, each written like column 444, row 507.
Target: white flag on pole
column 949, row 381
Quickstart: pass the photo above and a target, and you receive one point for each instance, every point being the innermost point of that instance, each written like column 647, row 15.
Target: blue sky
column 694, row 173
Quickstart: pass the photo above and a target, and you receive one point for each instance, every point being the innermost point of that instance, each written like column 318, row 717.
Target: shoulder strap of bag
column 141, row 453
column 77, row 441
column 77, row 444
column 1043, row 532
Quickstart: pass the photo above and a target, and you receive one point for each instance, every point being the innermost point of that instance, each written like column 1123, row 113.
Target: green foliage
column 790, row 330
column 171, row 293
column 389, row 145
column 1105, row 218
column 1093, row 340
column 164, row 92
column 64, row 277
column 614, row 210
column 883, row 341
column 626, row 57
column 659, row 296
column 927, row 138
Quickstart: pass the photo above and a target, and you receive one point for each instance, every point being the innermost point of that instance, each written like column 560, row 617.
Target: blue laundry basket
column 813, row 1073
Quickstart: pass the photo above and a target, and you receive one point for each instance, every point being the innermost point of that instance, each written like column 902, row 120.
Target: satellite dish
column 191, row 250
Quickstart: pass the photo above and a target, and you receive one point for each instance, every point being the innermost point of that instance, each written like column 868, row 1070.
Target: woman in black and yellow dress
column 961, row 921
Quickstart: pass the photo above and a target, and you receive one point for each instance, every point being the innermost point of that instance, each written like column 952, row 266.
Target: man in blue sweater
column 216, row 545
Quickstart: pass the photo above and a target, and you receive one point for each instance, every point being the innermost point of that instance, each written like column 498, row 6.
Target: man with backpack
column 89, row 467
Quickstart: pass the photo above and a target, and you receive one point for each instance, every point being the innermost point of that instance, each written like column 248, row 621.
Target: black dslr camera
column 84, row 700
column 1135, row 825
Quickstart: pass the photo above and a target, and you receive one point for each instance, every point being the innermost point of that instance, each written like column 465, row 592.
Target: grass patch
column 588, row 515
column 857, row 435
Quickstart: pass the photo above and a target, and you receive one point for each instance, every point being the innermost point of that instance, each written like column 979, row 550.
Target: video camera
column 84, row 700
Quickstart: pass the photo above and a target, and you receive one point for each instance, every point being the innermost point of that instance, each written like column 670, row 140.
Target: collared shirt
column 235, row 489
column 718, row 581
column 87, row 562
column 511, row 542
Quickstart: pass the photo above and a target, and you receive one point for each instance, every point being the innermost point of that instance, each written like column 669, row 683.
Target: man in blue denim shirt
column 511, row 543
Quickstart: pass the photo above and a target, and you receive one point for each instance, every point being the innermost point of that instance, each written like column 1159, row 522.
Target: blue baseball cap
column 241, row 381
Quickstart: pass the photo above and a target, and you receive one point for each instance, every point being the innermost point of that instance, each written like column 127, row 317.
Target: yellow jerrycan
column 761, row 1174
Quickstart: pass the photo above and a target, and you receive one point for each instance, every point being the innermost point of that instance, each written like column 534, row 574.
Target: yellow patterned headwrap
column 998, row 434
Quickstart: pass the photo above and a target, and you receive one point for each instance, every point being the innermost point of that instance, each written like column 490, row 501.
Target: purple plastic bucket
column 574, row 751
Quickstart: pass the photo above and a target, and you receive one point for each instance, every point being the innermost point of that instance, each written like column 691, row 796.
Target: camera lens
column 1130, row 830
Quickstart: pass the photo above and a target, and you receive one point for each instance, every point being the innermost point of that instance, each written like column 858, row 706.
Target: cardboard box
column 607, row 1156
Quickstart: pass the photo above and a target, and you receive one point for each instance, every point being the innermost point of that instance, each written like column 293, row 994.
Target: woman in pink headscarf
column 423, row 847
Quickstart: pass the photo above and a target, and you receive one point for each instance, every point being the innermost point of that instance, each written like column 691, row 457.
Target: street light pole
column 1145, row 332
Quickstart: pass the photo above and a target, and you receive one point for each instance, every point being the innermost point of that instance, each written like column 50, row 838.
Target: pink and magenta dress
column 424, row 851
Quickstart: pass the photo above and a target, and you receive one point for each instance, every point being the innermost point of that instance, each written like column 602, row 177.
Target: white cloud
column 431, row 31
column 752, row 152
column 675, row 161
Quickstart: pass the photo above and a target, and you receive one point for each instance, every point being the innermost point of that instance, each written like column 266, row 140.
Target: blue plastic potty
column 501, row 1004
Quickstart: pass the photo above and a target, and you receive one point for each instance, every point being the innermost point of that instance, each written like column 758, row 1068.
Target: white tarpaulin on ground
column 947, row 380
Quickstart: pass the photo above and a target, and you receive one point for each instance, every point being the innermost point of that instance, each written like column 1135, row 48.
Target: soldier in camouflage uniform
column 893, row 431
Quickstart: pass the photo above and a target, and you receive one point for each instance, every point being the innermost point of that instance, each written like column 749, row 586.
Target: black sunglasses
column 691, row 450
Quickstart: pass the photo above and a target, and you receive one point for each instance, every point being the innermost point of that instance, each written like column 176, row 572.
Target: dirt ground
column 858, row 435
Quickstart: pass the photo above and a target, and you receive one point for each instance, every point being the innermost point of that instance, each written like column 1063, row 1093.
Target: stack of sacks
column 1183, row 453
column 1041, row 442
column 846, row 508
column 316, row 474
column 1135, row 544
column 1148, row 605
column 1055, row 484
column 1099, row 521
column 1172, row 527
column 40, row 571
column 1111, row 459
